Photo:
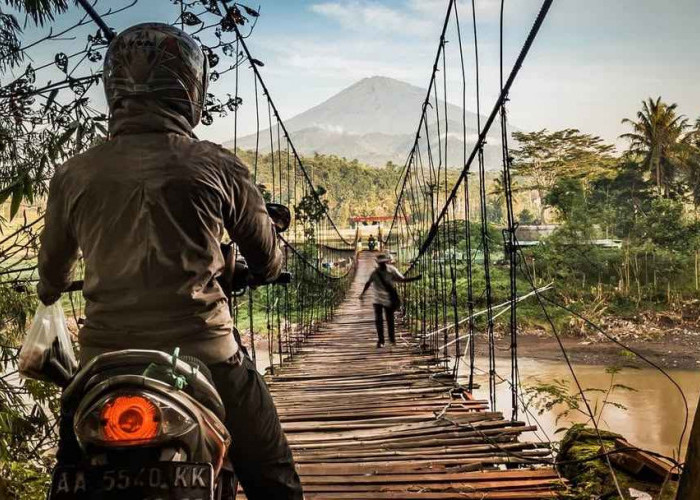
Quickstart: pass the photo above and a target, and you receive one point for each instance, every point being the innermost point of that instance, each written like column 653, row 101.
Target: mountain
column 374, row 121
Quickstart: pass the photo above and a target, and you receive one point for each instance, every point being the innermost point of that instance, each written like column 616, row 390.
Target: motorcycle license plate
column 163, row 481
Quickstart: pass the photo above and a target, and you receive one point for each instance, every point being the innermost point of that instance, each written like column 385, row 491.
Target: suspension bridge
column 369, row 423
column 398, row 422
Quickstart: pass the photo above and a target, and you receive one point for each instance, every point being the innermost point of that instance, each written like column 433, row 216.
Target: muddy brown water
column 655, row 413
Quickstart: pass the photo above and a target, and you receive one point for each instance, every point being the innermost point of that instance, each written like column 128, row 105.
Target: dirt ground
column 677, row 348
column 673, row 351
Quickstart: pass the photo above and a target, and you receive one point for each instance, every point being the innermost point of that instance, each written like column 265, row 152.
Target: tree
column 40, row 11
column 568, row 197
column 621, row 201
column 499, row 191
column 544, row 157
column 526, row 217
column 690, row 481
column 692, row 166
column 659, row 137
column 665, row 227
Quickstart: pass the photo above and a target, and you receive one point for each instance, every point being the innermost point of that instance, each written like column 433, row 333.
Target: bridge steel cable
column 436, row 245
column 433, row 229
column 320, row 257
column 487, row 126
column 509, row 236
column 254, row 63
column 426, row 103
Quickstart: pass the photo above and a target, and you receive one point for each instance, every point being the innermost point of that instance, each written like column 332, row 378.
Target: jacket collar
column 138, row 116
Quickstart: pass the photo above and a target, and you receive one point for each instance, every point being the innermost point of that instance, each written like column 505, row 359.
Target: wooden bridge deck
column 372, row 423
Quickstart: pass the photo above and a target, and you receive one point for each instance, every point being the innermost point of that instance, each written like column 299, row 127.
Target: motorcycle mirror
column 280, row 215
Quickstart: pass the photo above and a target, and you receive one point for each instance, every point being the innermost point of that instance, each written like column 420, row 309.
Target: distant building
column 534, row 232
column 534, row 235
column 372, row 220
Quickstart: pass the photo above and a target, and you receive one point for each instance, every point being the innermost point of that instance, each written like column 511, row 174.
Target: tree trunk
column 656, row 158
column 690, row 480
column 542, row 207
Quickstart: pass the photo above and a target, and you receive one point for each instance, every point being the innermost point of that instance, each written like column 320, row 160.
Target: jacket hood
column 147, row 116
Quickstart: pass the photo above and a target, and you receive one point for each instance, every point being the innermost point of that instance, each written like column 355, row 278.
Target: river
column 655, row 411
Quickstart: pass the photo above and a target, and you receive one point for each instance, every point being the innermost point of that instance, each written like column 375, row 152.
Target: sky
column 592, row 64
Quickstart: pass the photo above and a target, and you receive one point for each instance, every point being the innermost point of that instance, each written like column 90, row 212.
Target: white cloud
column 421, row 17
column 362, row 15
column 348, row 60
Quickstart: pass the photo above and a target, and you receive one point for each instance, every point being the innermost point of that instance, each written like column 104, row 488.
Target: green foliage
column 311, row 209
column 661, row 141
column 643, row 200
column 353, row 189
column 543, row 158
column 666, row 227
column 10, row 53
column 23, row 481
column 28, row 409
column 40, row 11
column 567, row 401
column 526, row 217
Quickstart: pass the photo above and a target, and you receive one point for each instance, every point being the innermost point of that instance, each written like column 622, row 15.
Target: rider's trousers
column 260, row 453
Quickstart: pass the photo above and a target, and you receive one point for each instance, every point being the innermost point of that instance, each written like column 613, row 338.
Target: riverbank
column 674, row 348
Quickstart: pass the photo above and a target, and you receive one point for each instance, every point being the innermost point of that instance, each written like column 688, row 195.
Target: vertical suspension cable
column 509, row 239
column 235, row 111
column 484, row 234
column 467, row 231
column 257, row 129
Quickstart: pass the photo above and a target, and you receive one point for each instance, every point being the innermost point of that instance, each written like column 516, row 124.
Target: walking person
column 386, row 298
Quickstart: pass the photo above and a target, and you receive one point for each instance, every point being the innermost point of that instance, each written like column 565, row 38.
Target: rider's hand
column 47, row 297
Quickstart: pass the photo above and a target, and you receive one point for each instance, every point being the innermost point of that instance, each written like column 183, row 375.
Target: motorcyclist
column 147, row 209
column 371, row 243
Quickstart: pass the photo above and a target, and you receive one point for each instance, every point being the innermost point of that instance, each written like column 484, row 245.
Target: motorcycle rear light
column 130, row 418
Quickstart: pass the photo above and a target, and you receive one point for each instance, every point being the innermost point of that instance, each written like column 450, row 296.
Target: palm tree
column 693, row 166
column 658, row 137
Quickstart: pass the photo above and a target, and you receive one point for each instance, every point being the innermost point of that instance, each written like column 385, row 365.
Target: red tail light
column 130, row 418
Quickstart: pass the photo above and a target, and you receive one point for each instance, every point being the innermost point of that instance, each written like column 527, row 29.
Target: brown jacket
column 148, row 209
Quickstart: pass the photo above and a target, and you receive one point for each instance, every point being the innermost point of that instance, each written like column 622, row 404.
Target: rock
column 640, row 495
column 589, row 475
column 666, row 321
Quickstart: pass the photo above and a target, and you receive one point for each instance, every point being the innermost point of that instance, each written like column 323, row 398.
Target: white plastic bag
column 47, row 352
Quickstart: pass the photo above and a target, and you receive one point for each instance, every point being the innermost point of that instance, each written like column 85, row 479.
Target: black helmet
column 158, row 60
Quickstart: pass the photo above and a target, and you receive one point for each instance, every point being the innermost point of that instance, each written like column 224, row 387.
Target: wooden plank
column 368, row 423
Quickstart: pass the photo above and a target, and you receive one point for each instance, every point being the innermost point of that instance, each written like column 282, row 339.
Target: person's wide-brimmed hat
column 384, row 258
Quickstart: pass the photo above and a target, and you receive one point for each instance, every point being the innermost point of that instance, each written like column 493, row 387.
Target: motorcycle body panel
column 184, row 460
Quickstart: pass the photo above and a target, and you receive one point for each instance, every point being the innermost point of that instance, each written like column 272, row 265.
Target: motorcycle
column 150, row 423
column 371, row 244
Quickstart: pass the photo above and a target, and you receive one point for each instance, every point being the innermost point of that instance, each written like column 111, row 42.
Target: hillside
column 374, row 121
